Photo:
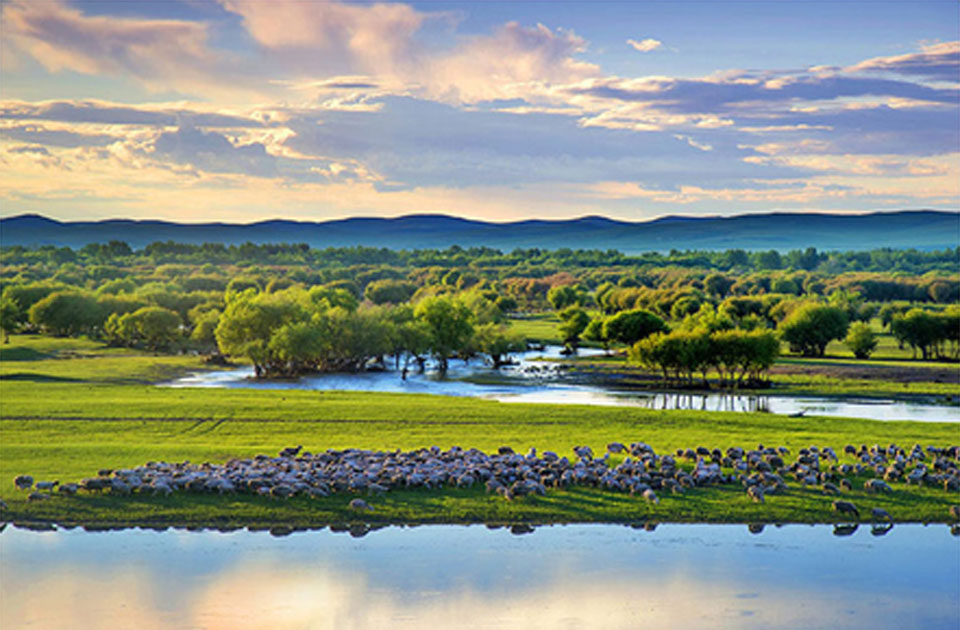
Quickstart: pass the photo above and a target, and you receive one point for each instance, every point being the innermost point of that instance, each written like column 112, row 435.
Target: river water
column 533, row 380
column 451, row 577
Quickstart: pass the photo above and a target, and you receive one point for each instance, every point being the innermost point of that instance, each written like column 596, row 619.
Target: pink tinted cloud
column 62, row 38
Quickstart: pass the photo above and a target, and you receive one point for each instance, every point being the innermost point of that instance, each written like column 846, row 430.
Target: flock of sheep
column 762, row 472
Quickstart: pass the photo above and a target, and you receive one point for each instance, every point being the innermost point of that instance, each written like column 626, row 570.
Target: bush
column 861, row 340
column 811, row 327
column 629, row 327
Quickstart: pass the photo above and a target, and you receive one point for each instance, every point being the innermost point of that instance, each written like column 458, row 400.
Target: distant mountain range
column 920, row 229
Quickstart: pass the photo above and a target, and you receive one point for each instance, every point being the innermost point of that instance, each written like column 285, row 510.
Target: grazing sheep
column 955, row 511
column 876, row 486
column 642, row 472
column 360, row 505
column 23, row 482
column 880, row 514
column 583, row 452
column 845, row 507
column 47, row 486
column 38, row 496
column 94, row 484
column 291, row 451
column 68, row 488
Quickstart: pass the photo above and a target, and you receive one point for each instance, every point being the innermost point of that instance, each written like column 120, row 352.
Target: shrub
column 861, row 340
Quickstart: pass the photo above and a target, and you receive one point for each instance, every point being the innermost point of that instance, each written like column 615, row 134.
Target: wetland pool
column 533, row 380
column 559, row 576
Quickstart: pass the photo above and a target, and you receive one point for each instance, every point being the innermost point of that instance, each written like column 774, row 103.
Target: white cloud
column 937, row 61
column 645, row 45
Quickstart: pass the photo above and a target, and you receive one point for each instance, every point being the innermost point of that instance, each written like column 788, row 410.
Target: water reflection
column 470, row 577
column 534, row 381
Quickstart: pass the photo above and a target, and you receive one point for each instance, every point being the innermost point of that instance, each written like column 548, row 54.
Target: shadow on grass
column 38, row 378
column 22, row 354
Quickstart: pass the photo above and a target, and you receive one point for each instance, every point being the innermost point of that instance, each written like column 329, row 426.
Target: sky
column 244, row 110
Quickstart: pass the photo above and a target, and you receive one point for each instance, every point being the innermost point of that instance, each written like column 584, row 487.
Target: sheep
column 23, row 482
column 616, row 448
column 955, row 512
column 879, row 514
column 876, row 486
column 846, row 507
column 756, row 493
column 829, row 488
column 38, row 496
column 68, row 488
column 47, row 486
column 360, row 505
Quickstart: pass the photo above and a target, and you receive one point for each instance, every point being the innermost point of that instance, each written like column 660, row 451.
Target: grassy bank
column 64, row 416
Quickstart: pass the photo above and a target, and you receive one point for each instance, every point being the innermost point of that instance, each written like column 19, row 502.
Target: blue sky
column 242, row 110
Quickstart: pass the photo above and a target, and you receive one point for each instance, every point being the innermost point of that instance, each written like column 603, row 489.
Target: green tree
column 594, row 332
column 717, row 284
column 296, row 347
column 861, row 340
column 629, row 327
column 561, row 297
column 686, row 305
column 450, row 324
column 389, row 291
column 248, row 323
column 157, row 327
column 573, row 322
column 920, row 330
column 9, row 317
column 809, row 328
column 205, row 327
column 67, row 313
column 496, row 342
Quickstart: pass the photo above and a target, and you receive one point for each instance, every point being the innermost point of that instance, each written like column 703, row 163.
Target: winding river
column 534, row 380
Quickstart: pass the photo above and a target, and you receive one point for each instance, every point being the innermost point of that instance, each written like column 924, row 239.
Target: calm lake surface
column 534, row 381
column 573, row 576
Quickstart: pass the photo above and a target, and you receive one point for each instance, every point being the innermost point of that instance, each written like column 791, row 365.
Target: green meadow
column 71, row 407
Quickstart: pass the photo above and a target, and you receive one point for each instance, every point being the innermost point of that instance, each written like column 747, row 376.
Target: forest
column 290, row 310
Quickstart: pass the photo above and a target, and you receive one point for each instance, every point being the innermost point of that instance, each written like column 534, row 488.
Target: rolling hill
column 921, row 229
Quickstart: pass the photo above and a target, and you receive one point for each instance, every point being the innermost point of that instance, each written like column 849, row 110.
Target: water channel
column 560, row 576
column 534, row 380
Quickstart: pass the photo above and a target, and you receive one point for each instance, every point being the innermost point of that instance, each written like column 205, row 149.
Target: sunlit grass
column 64, row 418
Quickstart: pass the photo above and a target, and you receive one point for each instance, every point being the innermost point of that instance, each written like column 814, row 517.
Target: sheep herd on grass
column 763, row 472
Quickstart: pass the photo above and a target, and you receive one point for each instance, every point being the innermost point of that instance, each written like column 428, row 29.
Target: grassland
column 68, row 408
